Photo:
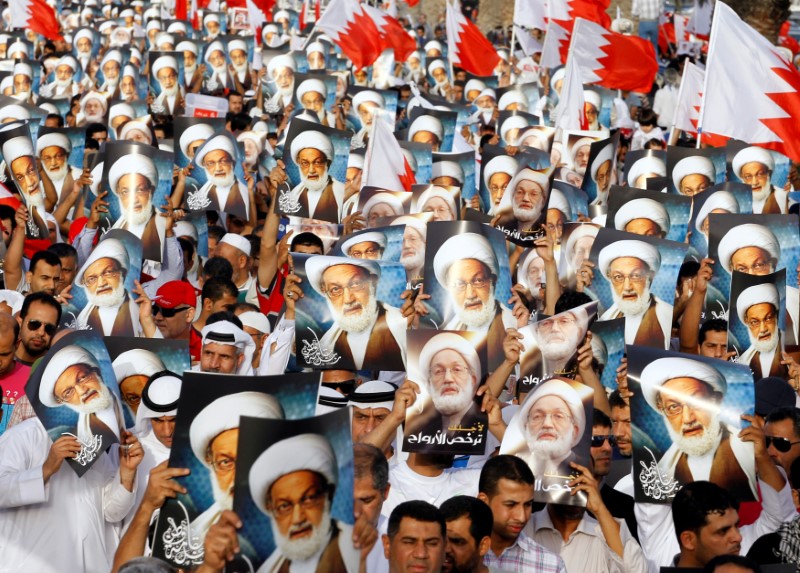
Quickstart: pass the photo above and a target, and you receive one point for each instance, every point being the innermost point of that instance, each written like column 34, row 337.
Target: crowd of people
column 266, row 310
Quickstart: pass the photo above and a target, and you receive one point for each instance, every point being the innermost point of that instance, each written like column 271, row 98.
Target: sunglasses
column 346, row 387
column 167, row 312
column 781, row 444
column 49, row 329
column 598, row 441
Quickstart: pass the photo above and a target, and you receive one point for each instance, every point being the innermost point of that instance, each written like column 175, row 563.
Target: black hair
column 688, row 269
column 63, row 250
column 57, row 117
column 727, row 559
column 570, row 299
column 224, row 315
column 786, row 413
column 216, row 232
column 306, row 240
column 507, row 467
column 600, row 418
column 369, row 461
column 479, row 514
column 94, row 128
column 695, row 502
column 47, row 256
column 218, row 267
column 217, row 287
column 712, row 325
column 187, row 246
column 418, row 511
column 615, row 400
column 42, row 297
column 648, row 117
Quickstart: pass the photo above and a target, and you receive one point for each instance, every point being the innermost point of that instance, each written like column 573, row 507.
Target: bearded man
column 412, row 253
column 223, row 190
column 281, row 70
column 758, row 308
column 58, row 176
column 165, row 72
column 63, row 86
column 318, row 195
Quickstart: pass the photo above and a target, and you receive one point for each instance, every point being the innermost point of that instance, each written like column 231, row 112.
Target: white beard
column 362, row 320
column 170, row 92
column 318, row 185
column 449, row 405
column 112, row 83
column 224, row 182
column 223, row 498
column 63, row 83
column 22, row 96
column 763, row 194
column 306, row 547
column 219, row 71
column 549, row 448
column 57, row 175
column 526, row 215
column 286, row 92
column 633, row 307
column 558, row 350
column 240, row 68
column 35, row 200
column 188, row 71
column 110, row 300
column 139, row 218
column 411, row 262
column 102, row 402
column 95, row 118
column 764, row 346
column 250, row 159
column 477, row 318
column 696, row 445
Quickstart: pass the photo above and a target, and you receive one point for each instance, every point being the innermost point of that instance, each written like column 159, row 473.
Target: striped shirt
column 526, row 556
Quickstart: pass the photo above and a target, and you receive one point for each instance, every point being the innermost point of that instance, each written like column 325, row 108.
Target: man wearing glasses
column 369, row 245
column 688, row 394
column 318, row 195
column 38, row 322
column 630, row 266
column 225, row 193
column 174, row 308
column 754, row 166
column 758, row 307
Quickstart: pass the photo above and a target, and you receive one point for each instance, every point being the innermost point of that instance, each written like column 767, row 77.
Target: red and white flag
column 765, row 109
column 530, row 14
column 349, row 26
column 690, row 96
column 570, row 112
column 612, row 60
column 467, row 47
column 562, row 15
column 392, row 33
column 385, row 165
column 257, row 11
column 35, row 15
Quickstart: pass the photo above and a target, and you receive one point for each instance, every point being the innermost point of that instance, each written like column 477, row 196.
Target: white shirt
column 154, row 453
column 66, row 524
column 408, row 484
column 376, row 560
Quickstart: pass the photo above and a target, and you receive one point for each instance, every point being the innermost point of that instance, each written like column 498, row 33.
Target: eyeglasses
column 318, row 163
column 365, row 254
column 598, row 441
column 82, row 380
column 559, row 417
column 355, row 286
column 781, row 444
column 106, row 274
column 167, row 312
column 756, row 268
column 440, row 372
column 49, row 329
column 636, row 278
column 766, row 321
column 309, row 501
column 224, row 465
column 224, row 162
column 476, row 283
column 751, row 178
column 674, row 409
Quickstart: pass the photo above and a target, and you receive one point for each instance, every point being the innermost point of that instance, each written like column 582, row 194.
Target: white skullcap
column 436, row 191
column 388, row 198
column 413, row 55
column 582, row 142
column 528, row 174
column 237, row 45
column 185, row 229
column 696, row 164
column 435, row 65
column 662, row 370
column 211, row 17
column 255, row 320
column 634, row 248
column 281, row 15
column 460, row 247
column 757, row 294
column 217, row 142
column 312, row 85
column 448, row 341
column 53, row 139
column 642, row 208
column 223, row 414
column 645, row 165
column 153, row 25
column 373, row 394
column 135, row 125
column 315, row 47
column 17, row 147
column 427, row 123
column 433, row 45
column 17, row 46
column 753, row 155
column 106, row 249
column 98, row 97
column 136, row 362
column 512, row 122
column 67, row 61
column 164, row 62
column 722, row 200
column 522, row 270
column 214, row 46
column 121, row 109
column 177, row 27
column 747, row 235
column 560, row 389
column 447, row 168
column 314, row 140
column 368, row 237
column 592, row 97
column 368, row 95
column 112, row 56
column 559, row 201
column 132, row 163
column 196, row 132
column 126, row 13
column 417, row 224
column 21, row 68
column 306, row 452
column 59, row 362
column 487, row 92
column 48, row 107
column 13, row 299
column 474, row 85
column 187, row 46
column 606, row 154
column 130, row 72
column 163, row 39
column 355, row 160
column 282, row 61
column 237, row 241
column 316, row 267
column 83, row 33
column 253, row 137
column 499, row 164
column 512, row 97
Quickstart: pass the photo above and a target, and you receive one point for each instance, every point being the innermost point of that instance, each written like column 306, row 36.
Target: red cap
column 175, row 293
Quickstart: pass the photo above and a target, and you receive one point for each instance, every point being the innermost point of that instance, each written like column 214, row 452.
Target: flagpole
column 673, row 137
column 449, row 55
column 701, row 117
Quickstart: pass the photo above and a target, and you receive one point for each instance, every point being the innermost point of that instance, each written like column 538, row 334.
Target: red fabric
column 272, row 303
column 476, row 54
column 181, row 10
column 43, row 20
column 195, row 344
column 396, row 37
column 33, row 246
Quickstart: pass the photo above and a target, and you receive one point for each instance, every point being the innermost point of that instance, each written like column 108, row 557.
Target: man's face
column 297, row 503
column 239, row 57
column 103, row 277
column 528, row 200
column 348, row 289
column 497, row 186
column 189, row 59
column 177, row 325
column 22, row 83
column 603, row 178
column 367, row 500
column 365, row 420
column 462, row 553
column 646, row 227
column 53, row 158
column 621, row 418
column 366, row 112
column 135, row 193
column 591, row 113
column 164, row 429
column 8, row 344
column 222, row 457
column 27, row 176
column 167, row 77
column 316, row 61
column 756, row 175
column 37, row 341
column 64, row 73
column 762, row 322
column 559, row 336
column 687, row 405
column 720, row 536
column 418, row 547
column 783, row 429
column 551, row 427
column 99, row 136
column 78, row 385
column 439, row 75
column 555, row 224
column 45, row 277
column 485, row 102
column 628, row 276
column 379, row 211
column 131, row 389
column 440, row 209
column 413, row 253
column 583, row 247
column 313, row 101
column 84, row 46
column 93, row 108
column 470, row 284
column 212, row 27
column 601, row 455
column 218, row 163
column 715, row 344
column 582, row 157
column 753, row 261
column 312, row 163
column 511, row 507
column 216, row 59
column 226, row 303
column 235, row 103
column 427, row 137
column 453, row 383
column 694, row 183
column 221, row 358
column 111, row 70
column 366, row 250
column 283, row 76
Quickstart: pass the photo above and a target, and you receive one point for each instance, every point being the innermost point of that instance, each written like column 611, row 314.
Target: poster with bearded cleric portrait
column 205, row 442
column 20, row 159
column 608, row 349
column 349, row 316
column 600, row 170
column 550, row 347
column 190, row 134
column 377, row 204
column 551, row 430
column 60, row 153
column 643, row 164
column 753, row 244
column 316, row 164
column 759, row 327
column 729, row 197
column 690, row 406
column 219, row 184
column 74, row 393
column 764, row 171
column 522, row 212
column 692, row 171
column 382, row 243
column 289, row 462
column 649, row 213
column 166, row 82
column 138, row 179
column 448, row 367
column 635, row 277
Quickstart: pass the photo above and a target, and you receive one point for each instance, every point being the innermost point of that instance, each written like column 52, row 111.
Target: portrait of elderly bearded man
column 497, row 174
column 132, row 369
column 165, row 73
column 133, row 178
column 214, row 439
column 367, row 104
column 237, row 49
column 693, row 175
column 225, row 193
column 629, row 266
column 556, row 343
column 438, row 201
column 19, row 157
column 312, row 95
column 58, row 176
column 370, row 245
column 63, row 85
column 293, row 483
column 643, row 216
column 72, row 378
column 754, row 249
column 93, row 109
column 717, row 202
column 438, row 72
column 524, row 203
column 427, row 129
column 318, row 195
column 580, row 151
column 412, row 252
column 83, row 40
column 754, row 166
column 280, row 70
column 365, row 330
column 381, row 205
column 602, row 173
column 688, row 394
column 645, row 168
column 22, row 77
column 758, row 308
column 111, row 66
column 110, row 310
column 559, row 212
column 216, row 62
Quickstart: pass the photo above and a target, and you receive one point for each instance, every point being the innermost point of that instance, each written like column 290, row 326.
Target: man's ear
column 190, row 315
column 484, row 546
column 484, row 498
column 28, row 276
column 688, row 540
column 386, row 545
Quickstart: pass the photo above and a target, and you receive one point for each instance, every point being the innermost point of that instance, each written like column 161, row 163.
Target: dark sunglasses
column 49, row 329
column 597, row 441
column 168, row 312
column 781, row 444
column 346, row 387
